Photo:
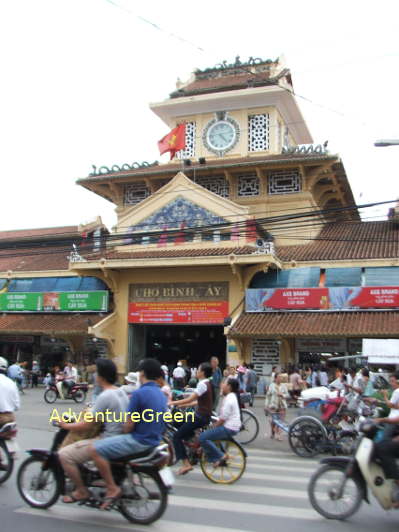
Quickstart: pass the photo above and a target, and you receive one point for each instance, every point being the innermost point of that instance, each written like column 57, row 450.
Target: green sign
column 54, row 301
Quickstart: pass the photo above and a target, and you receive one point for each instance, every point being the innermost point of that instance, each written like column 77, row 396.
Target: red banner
column 376, row 297
column 298, row 298
column 179, row 312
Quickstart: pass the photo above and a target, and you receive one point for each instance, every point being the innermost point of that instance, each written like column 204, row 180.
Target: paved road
column 270, row 496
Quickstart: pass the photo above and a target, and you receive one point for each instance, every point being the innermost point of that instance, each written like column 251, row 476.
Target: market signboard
column 96, row 301
column 168, row 303
column 334, row 298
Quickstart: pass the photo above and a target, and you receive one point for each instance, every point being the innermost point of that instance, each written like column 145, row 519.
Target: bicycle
column 227, row 473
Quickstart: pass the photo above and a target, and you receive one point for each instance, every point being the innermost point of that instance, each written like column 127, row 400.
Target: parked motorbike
column 78, row 393
column 337, row 489
column 8, row 449
column 142, row 477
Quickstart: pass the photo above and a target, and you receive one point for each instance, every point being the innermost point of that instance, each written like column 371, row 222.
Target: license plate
column 167, row 476
column 12, row 446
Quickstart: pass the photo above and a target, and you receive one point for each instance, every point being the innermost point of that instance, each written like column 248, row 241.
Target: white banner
column 381, row 350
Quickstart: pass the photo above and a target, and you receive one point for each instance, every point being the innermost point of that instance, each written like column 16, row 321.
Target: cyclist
column 203, row 397
column 228, row 424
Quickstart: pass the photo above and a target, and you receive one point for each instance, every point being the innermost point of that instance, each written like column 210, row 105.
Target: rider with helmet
column 9, row 396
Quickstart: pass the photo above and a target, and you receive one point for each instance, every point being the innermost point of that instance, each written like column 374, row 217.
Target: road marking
column 269, row 459
column 264, row 476
column 252, row 490
column 88, row 517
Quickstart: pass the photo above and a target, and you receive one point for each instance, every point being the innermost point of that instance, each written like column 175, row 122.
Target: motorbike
column 8, row 450
column 336, row 490
column 77, row 392
column 142, row 477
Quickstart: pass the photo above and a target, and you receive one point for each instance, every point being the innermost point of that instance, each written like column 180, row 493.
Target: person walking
column 216, row 381
column 179, row 376
column 35, row 374
column 251, row 378
column 15, row 373
column 276, row 404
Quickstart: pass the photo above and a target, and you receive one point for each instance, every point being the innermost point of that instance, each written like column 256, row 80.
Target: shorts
column 78, row 452
column 118, row 446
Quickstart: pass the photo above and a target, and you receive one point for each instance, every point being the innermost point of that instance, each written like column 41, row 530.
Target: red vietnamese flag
column 173, row 141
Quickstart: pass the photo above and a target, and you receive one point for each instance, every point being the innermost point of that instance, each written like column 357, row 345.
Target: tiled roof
column 37, row 233
column 346, row 241
column 294, row 324
column 171, row 253
column 224, row 83
column 173, row 168
column 47, row 323
column 36, row 259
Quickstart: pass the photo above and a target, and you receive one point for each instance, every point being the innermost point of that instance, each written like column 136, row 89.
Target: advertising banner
column 168, row 303
column 96, row 301
column 381, row 350
column 335, row 298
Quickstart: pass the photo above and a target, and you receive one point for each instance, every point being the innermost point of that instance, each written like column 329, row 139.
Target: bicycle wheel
column 249, row 429
column 38, row 486
column 6, row 461
column 306, row 437
column 235, row 464
column 145, row 500
column 324, row 496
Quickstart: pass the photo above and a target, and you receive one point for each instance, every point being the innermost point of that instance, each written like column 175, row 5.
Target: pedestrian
column 179, row 376
column 251, row 380
column 241, row 371
column 216, row 381
column 296, row 384
column 131, row 379
column 35, row 374
column 276, row 404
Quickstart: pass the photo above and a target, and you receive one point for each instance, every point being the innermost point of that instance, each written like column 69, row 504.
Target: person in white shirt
column 132, row 383
column 9, row 396
column 179, row 376
column 71, row 376
column 228, row 424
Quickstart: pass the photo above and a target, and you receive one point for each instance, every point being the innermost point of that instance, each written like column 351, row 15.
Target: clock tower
column 236, row 110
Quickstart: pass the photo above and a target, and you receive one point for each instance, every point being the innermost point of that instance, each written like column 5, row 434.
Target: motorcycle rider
column 138, row 436
column 71, row 376
column 9, row 397
column 387, row 450
column 112, row 400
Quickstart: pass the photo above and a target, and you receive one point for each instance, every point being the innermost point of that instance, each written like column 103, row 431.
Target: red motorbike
column 77, row 392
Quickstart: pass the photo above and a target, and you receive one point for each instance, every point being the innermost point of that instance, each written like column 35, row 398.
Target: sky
column 77, row 77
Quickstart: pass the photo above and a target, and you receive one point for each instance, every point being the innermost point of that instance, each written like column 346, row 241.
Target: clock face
column 221, row 136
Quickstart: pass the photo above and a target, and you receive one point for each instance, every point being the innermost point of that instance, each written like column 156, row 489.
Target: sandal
column 184, row 470
column 73, row 499
column 108, row 502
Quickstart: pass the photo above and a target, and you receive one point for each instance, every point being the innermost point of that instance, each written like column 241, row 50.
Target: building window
column 279, row 137
column 216, row 184
column 135, row 193
column 284, row 182
column 248, row 185
column 258, row 132
column 189, row 150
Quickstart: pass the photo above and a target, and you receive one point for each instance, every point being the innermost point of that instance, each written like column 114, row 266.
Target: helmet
column 3, row 364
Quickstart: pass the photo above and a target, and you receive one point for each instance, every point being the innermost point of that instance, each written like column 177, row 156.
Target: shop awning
column 302, row 324
column 48, row 324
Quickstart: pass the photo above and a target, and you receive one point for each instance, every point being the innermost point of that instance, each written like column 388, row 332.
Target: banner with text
column 335, row 298
column 168, row 303
column 96, row 301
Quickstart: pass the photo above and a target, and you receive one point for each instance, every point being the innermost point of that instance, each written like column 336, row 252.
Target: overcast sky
column 77, row 77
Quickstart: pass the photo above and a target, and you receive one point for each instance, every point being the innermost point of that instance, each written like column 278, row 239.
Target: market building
column 45, row 309
column 248, row 245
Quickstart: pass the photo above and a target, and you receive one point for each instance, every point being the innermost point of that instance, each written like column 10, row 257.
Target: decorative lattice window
column 258, row 132
column 284, row 182
column 189, row 150
column 248, row 185
column 135, row 193
column 216, row 184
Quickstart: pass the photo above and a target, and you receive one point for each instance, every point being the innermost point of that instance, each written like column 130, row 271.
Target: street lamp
column 382, row 143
